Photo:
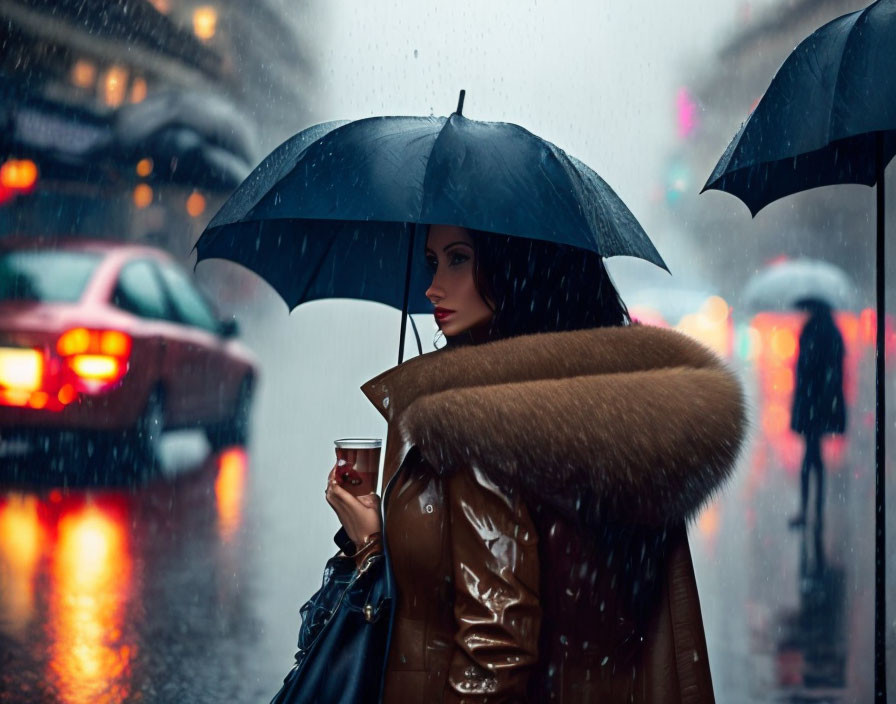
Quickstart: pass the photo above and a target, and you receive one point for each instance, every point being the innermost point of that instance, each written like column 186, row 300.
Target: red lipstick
column 442, row 313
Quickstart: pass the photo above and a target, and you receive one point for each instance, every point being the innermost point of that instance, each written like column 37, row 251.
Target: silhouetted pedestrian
column 818, row 404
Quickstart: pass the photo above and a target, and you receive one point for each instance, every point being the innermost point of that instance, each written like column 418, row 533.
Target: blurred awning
column 193, row 138
column 67, row 140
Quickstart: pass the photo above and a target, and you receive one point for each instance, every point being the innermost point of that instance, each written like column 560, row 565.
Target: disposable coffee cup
column 358, row 464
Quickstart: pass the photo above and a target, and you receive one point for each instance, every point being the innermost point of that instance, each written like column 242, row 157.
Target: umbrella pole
column 416, row 334
column 412, row 230
column 880, row 409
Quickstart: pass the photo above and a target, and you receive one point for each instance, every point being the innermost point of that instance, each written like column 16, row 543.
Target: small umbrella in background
column 829, row 117
column 781, row 286
column 334, row 211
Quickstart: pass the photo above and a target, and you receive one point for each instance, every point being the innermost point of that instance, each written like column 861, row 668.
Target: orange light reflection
column 230, row 487
column 21, row 537
column 90, row 582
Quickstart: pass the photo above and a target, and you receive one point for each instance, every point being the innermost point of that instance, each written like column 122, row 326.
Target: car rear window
column 51, row 277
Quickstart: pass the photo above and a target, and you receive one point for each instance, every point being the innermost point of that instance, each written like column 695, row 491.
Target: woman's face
column 449, row 255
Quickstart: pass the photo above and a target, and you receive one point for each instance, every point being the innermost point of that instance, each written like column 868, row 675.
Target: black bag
column 343, row 637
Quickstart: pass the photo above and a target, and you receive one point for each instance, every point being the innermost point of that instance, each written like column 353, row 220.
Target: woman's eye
column 454, row 258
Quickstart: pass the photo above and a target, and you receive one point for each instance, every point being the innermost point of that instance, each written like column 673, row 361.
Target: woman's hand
column 359, row 515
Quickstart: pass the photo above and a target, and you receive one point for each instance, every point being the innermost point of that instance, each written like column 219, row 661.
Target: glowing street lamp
column 115, row 83
column 142, row 195
column 83, row 73
column 196, row 204
column 205, row 21
column 138, row 90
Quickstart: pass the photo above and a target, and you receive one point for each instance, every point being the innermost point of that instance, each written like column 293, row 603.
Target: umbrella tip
column 460, row 103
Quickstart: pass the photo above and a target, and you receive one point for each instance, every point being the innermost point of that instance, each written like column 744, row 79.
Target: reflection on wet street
column 129, row 594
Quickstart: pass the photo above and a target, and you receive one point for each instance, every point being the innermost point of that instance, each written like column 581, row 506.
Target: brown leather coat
column 536, row 521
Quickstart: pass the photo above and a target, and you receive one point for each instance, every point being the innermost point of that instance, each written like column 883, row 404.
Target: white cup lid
column 358, row 443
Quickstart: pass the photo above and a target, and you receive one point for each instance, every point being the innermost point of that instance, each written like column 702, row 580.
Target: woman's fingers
column 341, row 495
column 369, row 500
column 359, row 515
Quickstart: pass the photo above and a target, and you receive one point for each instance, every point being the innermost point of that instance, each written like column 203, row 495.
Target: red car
column 114, row 341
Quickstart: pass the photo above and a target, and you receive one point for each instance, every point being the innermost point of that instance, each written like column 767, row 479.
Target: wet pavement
column 118, row 595
column 789, row 611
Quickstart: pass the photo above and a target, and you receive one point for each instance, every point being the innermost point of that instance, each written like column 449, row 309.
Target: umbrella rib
column 426, row 176
column 317, row 268
column 859, row 16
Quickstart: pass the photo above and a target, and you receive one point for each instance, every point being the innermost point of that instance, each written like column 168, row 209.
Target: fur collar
column 636, row 423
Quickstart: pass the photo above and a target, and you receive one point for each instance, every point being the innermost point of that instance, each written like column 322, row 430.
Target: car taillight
column 95, row 367
column 21, row 369
column 97, row 358
column 83, row 341
column 21, row 377
column 86, row 362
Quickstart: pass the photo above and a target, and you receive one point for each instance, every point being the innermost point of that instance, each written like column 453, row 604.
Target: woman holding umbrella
column 818, row 404
column 539, row 470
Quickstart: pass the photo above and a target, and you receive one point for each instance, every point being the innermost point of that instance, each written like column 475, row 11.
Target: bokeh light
column 143, row 195
column 205, row 22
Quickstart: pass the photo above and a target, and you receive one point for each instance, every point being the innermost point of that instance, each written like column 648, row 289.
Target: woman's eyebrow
column 445, row 248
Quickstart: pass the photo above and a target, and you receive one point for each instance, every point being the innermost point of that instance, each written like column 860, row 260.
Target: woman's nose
column 434, row 293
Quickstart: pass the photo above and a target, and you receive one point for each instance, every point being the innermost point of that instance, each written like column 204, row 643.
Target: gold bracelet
column 370, row 539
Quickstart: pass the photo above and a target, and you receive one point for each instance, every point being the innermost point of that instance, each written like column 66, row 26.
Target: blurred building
column 266, row 49
column 135, row 119
column 834, row 223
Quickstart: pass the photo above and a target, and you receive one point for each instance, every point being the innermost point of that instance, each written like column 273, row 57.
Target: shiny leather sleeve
column 496, row 576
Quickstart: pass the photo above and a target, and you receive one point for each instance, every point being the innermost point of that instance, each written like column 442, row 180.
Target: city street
column 219, row 219
column 187, row 588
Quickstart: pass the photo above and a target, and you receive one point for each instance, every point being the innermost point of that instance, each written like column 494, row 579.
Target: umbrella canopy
column 821, row 119
column 330, row 212
column 783, row 285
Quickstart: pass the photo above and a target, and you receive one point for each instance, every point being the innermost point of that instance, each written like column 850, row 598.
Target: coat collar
column 531, row 357
column 636, row 423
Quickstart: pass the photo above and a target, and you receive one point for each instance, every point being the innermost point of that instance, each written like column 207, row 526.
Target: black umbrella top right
column 818, row 122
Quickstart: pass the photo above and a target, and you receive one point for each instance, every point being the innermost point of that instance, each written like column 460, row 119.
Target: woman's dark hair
column 536, row 286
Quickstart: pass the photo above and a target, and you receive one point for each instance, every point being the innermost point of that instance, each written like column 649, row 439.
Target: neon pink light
column 687, row 113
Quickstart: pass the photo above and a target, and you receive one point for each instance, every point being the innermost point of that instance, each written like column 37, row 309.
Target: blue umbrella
column 334, row 211
column 829, row 117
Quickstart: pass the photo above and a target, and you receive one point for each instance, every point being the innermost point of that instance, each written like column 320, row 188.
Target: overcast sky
column 597, row 78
